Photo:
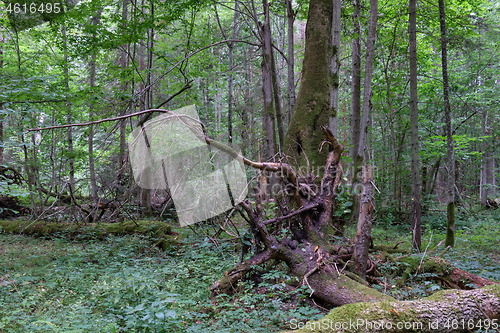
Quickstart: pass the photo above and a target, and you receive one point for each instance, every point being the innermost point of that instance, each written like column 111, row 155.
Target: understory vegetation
column 91, row 283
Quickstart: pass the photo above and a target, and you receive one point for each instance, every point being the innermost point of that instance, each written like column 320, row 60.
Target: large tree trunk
column 335, row 65
column 450, row 228
column 415, row 168
column 267, row 87
column 290, row 14
column 312, row 108
column 92, row 65
column 71, row 160
column 450, row 311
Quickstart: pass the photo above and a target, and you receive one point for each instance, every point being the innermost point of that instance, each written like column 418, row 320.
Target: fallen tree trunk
column 442, row 271
column 451, row 311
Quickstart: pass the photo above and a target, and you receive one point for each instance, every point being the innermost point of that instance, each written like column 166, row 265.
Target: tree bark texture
column 356, row 92
column 365, row 221
column 447, row 311
column 365, row 217
column 335, row 65
column 415, row 162
column 312, row 108
column 450, row 228
column 290, row 14
column 268, row 118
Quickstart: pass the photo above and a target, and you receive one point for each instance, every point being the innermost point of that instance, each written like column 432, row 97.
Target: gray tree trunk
column 92, row 65
column 124, row 86
column 415, row 162
column 335, row 66
column 71, row 160
column 291, row 60
column 365, row 218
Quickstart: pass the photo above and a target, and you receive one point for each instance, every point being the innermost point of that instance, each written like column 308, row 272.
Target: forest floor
column 126, row 284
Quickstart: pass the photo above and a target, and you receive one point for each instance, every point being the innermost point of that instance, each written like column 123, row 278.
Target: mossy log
column 443, row 271
column 446, row 311
column 161, row 232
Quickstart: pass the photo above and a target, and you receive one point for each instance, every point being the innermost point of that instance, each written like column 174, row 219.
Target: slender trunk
column 267, row 89
column 93, row 181
column 148, row 103
column 291, row 60
column 415, row 163
column 365, row 218
column 69, row 118
column 487, row 178
column 124, row 86
column 277, row 102
column 231, row 74
column 335, row 66
column 1, row 104
column 450, row 229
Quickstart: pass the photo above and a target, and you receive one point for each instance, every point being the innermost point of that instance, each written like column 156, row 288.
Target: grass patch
column 126, row 284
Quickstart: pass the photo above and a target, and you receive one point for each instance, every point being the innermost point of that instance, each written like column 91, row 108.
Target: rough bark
column 450, row 311
column 365, row 221
column 71, row 160
column 487, row 178
column 290, row 14
column 312, row 108
column 267, row 88
column 415, row 162
column 356, row 93
column 335, row 65
column 231, row 75
column 1, row 104
column 122, row 157
column 92, row 65
column 365, row 217
column 450, row 227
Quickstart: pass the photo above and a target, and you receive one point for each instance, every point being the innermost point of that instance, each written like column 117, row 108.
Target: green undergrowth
column 476, row 251
column 127, row 284
column 160, row 233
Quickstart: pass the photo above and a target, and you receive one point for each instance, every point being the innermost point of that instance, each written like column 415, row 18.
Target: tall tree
column 335, row 65
column 415, row 162
column 290, row 14
column 312, row 108
column 355, row 91
column 69, row 115
column 365, row 218
column 450, row 228
column 124, row 52
column 93, row 182
column 268, row 118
